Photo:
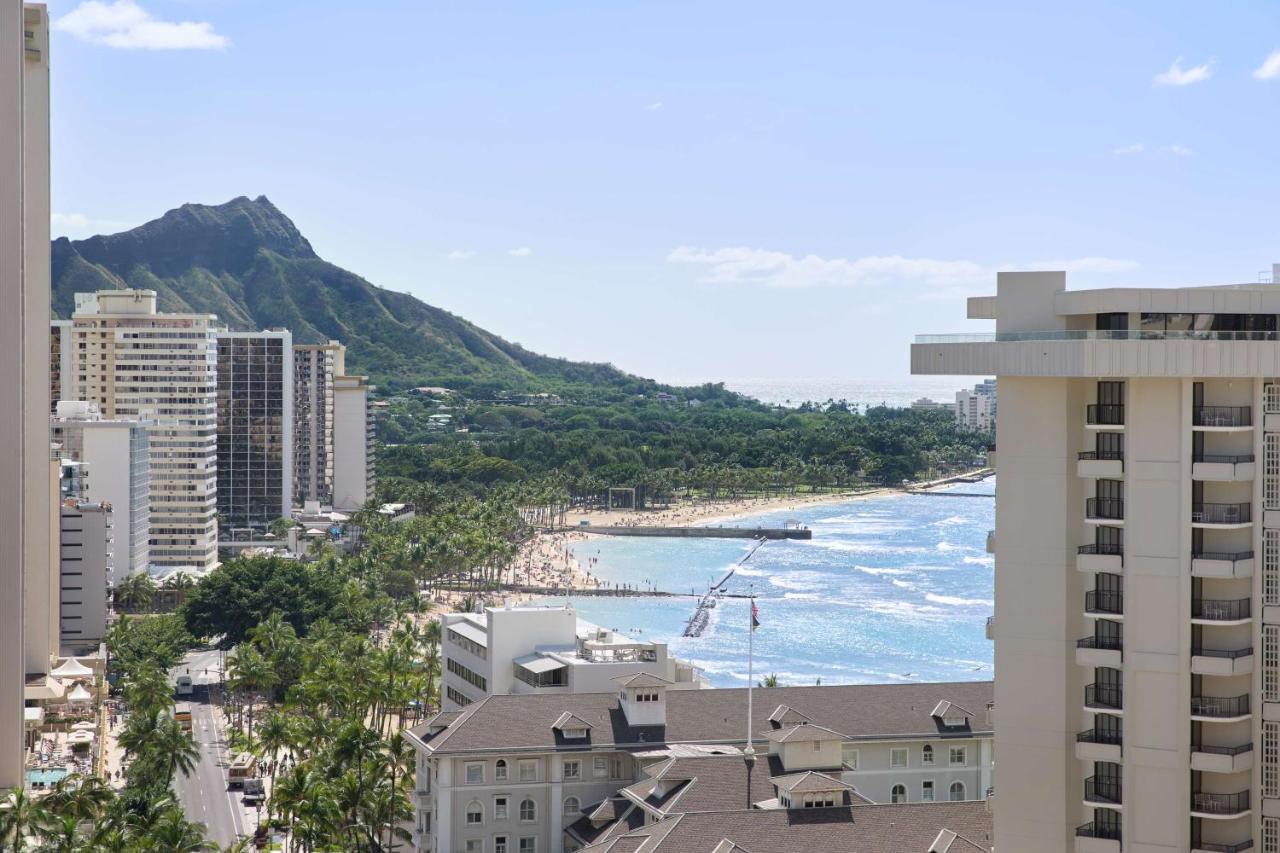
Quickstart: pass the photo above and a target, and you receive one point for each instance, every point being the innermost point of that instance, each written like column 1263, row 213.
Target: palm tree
column 148, row 691
column 19, row 816
column 274, row 735
column 135, row 592
column 770, row 680
column 174, row 748
column 79, row 797
column 173, row 833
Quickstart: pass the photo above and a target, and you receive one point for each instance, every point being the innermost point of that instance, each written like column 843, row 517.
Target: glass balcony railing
column 1221, row 416
column 1104, row 508
column 1220, row 610
column 1221, row 513
column 1220, row 804
column 1220, row 706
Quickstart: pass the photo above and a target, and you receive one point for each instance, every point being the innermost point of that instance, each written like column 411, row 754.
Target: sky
column 692, row 191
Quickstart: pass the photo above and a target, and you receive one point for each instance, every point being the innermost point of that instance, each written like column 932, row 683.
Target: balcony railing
column 1104, row 601
column 1110, row 737
column 1222, row 750
column 1238, row 847
column 1222, row 416
column 1101, row 789
column 1107, row 549
column 1226, row 556
column 1225, row 804
column 1219, row 610
column 1220, row 706
column 1093, row 829
column 1221, row 513
column 1227, row 654
column 1097, row 642
column 1100, row 455
column 1104, row 414
column 1095, row 335
column 1109, row 508
column 1105, row 696
column 1222, row 459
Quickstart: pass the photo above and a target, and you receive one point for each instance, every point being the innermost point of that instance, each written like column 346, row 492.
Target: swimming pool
column 45, row 777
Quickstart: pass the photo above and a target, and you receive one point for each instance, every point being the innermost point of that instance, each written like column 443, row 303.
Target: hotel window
column 849, row 757
column 926, row 791
column 615, row 768
column 572, row 806
column 500, row 844
column 529, row 771
column 600, row 767
column 528, row 811
column 499, row 808
column 898, row 757
column 475, row 774
column 959, row 756
column 957, row 792
column 898, row 794
column 475, row 845
column 528, row 844
column 573, row 770
column 475, row 813
column 500, row 770
column 926, row 754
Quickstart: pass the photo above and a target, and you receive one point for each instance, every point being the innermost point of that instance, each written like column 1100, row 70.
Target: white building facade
column 137, row 363
column 86, row 566
column 976, row 410
column 1137, row 549
column 353, row 441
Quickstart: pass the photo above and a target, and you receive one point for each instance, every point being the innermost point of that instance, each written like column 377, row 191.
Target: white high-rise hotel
column 1137, row 551
column 162, row 368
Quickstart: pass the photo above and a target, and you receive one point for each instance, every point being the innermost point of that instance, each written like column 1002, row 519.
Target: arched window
column 898, row 794
column 528, row 811
column 572, row 806
column 926, row 754
column 475, row 813
column 957, row 792
column 500, row 770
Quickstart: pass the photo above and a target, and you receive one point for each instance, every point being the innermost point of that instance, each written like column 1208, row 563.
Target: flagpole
column 750, row 755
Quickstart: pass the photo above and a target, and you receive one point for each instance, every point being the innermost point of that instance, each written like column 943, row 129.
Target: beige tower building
column 136, row 363
column 26, row 495
column 333, row 431
column 1137, row 549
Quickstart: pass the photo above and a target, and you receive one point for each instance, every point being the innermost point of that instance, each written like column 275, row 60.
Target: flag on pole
column 755, row 615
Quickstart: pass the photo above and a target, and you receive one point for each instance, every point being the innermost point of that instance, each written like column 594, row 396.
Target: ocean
column 894, row 588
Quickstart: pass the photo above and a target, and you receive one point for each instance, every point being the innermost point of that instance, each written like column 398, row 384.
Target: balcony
column 1222, row 661
column 1098, row 745
column 1094, row 837
column 1212, row 611
column 1101, row 602
column 1222, row 418
column 991, row 541
column 1102, row 791
column 991, row 627
column 1107, row 698
column 1099, row 651
column 1213, row 847
column 1222, row 564
column 1221, row 759
column 1108, row 464
column 1104, row 415
column 1219, row 806
column 1220, row 709
column 1109, row 510
column 1222, row 516
column 1100, row 558
column 1222, row 468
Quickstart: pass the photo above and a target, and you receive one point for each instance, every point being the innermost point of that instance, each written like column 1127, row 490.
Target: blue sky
column 692, row 190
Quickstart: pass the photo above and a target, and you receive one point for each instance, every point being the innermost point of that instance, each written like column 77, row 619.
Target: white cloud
column 656, row 105
column 1135, row 148
column 126, row 25
column 1270, row 67
column 78, row 224
column 1179, row 150
column 460, row 255
column 522, row 252
column 740, row 265
column 1176, row 75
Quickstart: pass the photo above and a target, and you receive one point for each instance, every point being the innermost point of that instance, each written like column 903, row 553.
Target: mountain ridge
column 247, row 262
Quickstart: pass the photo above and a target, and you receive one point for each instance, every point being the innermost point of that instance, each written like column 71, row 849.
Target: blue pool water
column 891, row 588
column 45, row 777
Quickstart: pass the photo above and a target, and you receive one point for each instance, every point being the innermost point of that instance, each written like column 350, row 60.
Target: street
column 204, row 794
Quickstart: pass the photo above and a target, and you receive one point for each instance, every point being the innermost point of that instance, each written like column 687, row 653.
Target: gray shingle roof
column 904, row 828
column 702, row 716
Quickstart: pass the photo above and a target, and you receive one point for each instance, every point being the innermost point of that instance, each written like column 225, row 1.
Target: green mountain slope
column 246, row 262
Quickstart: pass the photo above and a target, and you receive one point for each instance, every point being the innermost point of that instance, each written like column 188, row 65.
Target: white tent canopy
column 79, row 694
column 71, row 668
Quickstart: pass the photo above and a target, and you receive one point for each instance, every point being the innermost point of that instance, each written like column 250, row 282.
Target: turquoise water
column 45, row 777
column 892, row 588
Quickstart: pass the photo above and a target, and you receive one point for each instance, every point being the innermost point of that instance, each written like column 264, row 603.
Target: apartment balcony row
column 1221, row 661
column 1224, row 468
column 1099, row 745
column 1221, row 418
column 1100, row 651
column 1102, row 791
column 1220, row 709
column 1106, row 464
column 1214, row 611
column 1219, row 806
column 1109, row 558
column 1223, row 516
column 1096, row 837
column 1222, row 759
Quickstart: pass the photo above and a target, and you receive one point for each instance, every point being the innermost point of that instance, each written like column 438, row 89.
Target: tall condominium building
column 333, row 429
column 25, row 493
column 86, row 557
column 59, row 362
column 1137, row 548
column 976, row 409
column 116, row 460
column 136, row 363
column 255, row 431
